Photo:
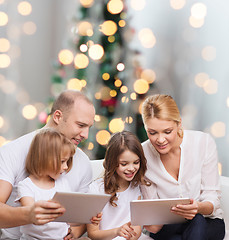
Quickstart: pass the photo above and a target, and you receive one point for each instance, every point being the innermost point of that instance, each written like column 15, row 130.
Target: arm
column 127, row 231
column 39, row 213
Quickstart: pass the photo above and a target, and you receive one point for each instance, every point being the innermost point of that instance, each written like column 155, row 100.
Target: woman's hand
column 187, row 211
column 126, row 231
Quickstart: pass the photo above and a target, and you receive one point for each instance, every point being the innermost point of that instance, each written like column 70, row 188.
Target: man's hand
column 42, row 212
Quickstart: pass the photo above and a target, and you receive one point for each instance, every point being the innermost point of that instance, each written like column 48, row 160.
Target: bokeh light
column 133, row 96
column 1, row 121
column 198, row 10
column 74, row 83
column 81, row 61
column 90, row 146
column 116, row 125
column 85, row 28
column 24, row 8
column 105, row 93
column 83, row 48
column 86, row 3
column 118, row 83
column 120, row 67
column 102, row 137
column 196, row 23
column 201, row 78
column 4, row 60
column 8, row 87
column 177, row 4
column 3, row 18
column 129, row 120
column 29, row 28
column 147, row 38
column 29, row 112
column 141, row 86
column 218, row 129
column 138, row 5
column 210, row 86
column 106, row 76
column 65, row 56
column 149, row 75
column 4, row 45
column 108, row 28
column 96, row 52
column 2, row 141
column 124, row 89
column 208, row 53
column 115, row 6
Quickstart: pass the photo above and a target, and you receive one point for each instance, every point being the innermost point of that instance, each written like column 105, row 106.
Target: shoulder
column 148, row 149
column 97, row 186
column 198, row 136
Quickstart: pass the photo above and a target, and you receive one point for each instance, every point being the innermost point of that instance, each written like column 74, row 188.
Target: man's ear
column 57, row 115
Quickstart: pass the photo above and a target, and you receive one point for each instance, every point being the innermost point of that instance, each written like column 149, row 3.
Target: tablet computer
column 80, row 207
column 155, row 211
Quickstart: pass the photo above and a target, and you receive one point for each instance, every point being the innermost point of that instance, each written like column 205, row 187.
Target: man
column 72, row 114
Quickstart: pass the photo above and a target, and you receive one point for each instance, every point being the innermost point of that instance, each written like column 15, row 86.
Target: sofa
column 97, row 170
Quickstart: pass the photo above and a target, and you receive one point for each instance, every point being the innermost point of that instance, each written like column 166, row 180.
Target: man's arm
column 39, row 213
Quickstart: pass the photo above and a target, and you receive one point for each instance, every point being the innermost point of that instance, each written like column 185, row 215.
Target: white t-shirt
column 12, row 170
column 198, row 174
column 52, row 230
column 114, row 217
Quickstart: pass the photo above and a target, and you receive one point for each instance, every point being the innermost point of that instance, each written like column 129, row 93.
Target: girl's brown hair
column 163, row 107
column 45, row 152
column 119, row 143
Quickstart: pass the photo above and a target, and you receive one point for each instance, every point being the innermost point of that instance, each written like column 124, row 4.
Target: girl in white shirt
column 181, row 164
column 125, row 166
column 50, row 156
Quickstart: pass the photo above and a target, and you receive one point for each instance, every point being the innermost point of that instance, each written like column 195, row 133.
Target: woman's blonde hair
column 163, row 107
column 45, row 152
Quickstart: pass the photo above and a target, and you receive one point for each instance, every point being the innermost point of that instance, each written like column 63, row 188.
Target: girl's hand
column 96, row 220
column 69, row 236
column 153, row 228
column 126, row 231
column 187, row 211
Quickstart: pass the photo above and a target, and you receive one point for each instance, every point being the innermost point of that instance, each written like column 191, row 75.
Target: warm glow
column 74, row 83
column 83, row 83
column 111, row 39
column 133, row 96
column 147, row 38
column 29, row 28
column 96, row 52
column 218, row 129
column 2, row 141
column 141, row 86
column 199, row 10
column 90, row 146
column 201, row 78
column 124, row 99
column 29, row 112
column 115, row 6
column 65, row 56
column 4, row 61
column 124, row 89
column 97, row 118
column 196, row 23
column 140, row 108
column 138, row 5
column 177, row 4
column 4, row 45
column 98, row 95
column 120, row 67
column 129, row 119
column 122, row 23
column 81, row 61
column 24, row 8
column 210, row 86
column 1, row 122
column 106, row 76
column 208, row 53
column 85, row 29
column 105, row 93
column 86, row 3
column 149, row 75
column 102, row 137
column 83, row 48
column 116, row 125
column 3, row 19
column 113, row 93
column 118, row 83
column 8, row 87
column 108, row 28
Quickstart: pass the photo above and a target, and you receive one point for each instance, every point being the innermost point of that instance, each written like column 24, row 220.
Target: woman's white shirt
column 198, row 174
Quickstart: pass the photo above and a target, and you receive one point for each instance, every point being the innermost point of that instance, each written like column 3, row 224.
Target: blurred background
column 117, row 52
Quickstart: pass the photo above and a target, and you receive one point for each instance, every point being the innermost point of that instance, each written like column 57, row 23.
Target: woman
column 181, row 163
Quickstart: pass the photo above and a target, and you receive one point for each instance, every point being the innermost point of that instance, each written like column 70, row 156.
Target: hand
column 187, row 211
column 69, row 236
column 42, row 212
column 153, row 228
column 126, row 231
column 96, row 220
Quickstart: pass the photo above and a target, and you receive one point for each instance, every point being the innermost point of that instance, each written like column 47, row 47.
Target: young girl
column 50, row 155
column 125, row 166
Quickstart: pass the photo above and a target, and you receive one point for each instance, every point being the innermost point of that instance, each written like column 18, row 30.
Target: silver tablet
column 155, row 211
column 80, row 207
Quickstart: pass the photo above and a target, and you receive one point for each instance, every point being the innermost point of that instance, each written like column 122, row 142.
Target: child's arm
column 127, row 231
column 26, row 201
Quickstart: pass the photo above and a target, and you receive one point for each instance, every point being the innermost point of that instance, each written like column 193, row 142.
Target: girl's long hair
column 119, row 143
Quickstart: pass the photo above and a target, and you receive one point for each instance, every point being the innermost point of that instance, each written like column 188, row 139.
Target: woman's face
column 162, row 134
